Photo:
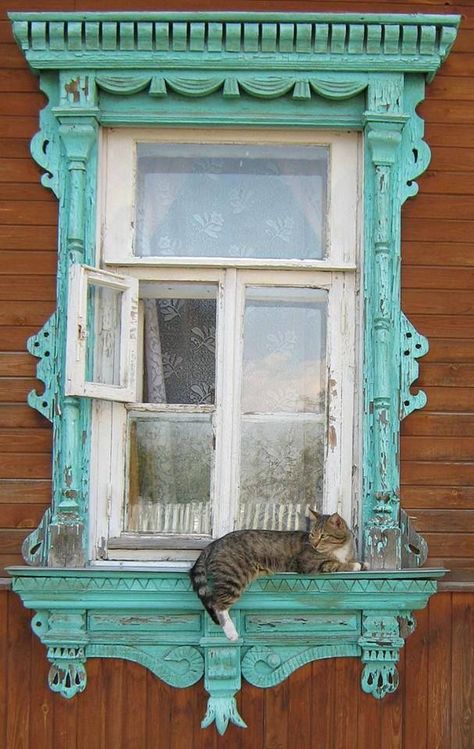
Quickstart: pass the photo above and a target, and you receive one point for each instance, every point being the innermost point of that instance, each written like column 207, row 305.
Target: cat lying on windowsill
column 225, row 567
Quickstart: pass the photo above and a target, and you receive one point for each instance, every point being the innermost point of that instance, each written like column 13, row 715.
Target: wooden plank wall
column 321, row 706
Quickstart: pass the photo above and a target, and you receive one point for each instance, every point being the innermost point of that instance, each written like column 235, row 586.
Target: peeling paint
column 72, row 89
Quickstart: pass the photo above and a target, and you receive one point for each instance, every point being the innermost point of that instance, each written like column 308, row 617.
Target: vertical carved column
column 222, row 676
column 78, row 128
column 383, row 127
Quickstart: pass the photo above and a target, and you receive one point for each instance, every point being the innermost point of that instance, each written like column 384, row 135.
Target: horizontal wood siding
column 321, row 706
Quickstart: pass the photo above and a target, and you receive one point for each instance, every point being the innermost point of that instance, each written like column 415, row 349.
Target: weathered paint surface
column 365, row 73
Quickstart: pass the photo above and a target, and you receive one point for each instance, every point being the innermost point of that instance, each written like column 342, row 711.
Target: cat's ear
column 335, row 519
column 314, row 513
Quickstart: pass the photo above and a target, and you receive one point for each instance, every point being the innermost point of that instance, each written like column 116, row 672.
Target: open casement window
column 240, row 412
column 102, row 318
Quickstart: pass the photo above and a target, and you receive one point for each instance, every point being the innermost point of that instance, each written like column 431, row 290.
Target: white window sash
column 118, row 166
column 78, row 340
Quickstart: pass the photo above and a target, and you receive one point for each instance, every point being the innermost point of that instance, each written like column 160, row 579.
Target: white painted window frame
column 119, row 206
column 337, row 273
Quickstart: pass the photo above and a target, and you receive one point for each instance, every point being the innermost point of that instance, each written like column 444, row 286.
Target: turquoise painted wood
column 285, row 621
column 330, row 71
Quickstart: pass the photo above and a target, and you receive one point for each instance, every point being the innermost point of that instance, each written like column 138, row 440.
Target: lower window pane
column 282, row 465
column 170, row 474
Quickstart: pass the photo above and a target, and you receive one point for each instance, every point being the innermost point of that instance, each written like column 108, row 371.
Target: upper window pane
column 234, row 201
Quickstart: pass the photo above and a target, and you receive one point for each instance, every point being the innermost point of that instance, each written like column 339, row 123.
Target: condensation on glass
column 170, row 465
column 103, row 328
column 171, row 454
column 283, row 407
column 231, row 201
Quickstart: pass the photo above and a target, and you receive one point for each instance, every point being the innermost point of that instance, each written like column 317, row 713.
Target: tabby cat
column 227, row 565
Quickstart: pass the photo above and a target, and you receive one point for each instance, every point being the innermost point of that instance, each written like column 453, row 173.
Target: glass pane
column 104, row 321
column 170, row 473
column 283, row 407
column 231, row 201
column 284, row 350
column 281, row 471
column 179, row 343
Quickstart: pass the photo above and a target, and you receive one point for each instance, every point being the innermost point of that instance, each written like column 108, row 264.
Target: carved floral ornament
column 335, row 71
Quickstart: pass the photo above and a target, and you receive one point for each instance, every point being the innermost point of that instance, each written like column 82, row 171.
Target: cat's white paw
column 356, row 566
column 233, row 636
column 228, row 625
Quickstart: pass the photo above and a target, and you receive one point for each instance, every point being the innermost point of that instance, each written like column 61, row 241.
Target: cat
column 225, row 567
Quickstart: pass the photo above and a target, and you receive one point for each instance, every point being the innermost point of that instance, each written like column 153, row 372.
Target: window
column 238, row 250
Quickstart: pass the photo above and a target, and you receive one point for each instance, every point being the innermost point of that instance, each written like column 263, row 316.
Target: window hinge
column 102, row 548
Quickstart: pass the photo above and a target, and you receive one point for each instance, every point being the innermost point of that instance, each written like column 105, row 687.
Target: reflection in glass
column 170, row 473
column 104, row 321
column 284, row 350
column 231, row 200
column 283, row 407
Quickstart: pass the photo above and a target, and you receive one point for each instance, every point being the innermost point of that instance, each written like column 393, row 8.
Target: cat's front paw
column 360, row 566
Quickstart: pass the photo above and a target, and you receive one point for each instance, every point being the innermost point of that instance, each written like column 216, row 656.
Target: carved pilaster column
column 383, row 129
column 77, row 129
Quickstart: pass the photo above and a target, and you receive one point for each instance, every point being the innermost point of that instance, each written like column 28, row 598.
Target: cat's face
column 328, row 527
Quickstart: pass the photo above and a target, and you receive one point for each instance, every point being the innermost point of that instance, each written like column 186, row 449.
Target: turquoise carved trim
column 328, row 71
column 131, row 40
column 43, row 346
column 415, row 346
column 285, row 621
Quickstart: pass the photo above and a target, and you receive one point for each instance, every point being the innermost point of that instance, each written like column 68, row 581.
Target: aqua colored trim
column 286, row 621
column 361, row 72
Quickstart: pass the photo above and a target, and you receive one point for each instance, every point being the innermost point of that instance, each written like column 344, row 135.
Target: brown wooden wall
column 321, row 705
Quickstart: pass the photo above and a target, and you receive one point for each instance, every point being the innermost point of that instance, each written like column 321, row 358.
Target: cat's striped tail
column 200, row 584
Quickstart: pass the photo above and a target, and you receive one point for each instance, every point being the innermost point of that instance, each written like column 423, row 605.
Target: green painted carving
column 180, row 666
column 222, row 710
column 35, row 547
column 380, row 643
column 269, row 87
column 154, row 618
column 416, row 150
column 218, row 69
column 121, row 40
column 44, row 145
column 43, row 346
column 266, row 667
column 414, row 346
column 222, row 675
column 67, row 674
